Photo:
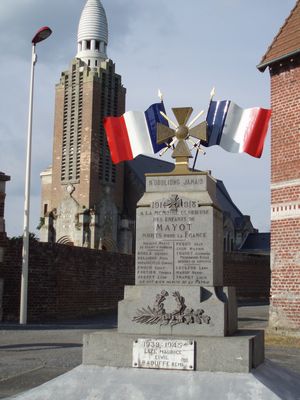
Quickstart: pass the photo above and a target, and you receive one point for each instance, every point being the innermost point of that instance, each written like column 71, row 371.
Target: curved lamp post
column 42, row 34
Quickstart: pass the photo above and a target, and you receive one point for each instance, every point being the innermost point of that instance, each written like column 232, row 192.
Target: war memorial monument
column 178, row 315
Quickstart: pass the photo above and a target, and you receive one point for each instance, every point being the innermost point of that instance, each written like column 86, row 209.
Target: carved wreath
column 181, row 315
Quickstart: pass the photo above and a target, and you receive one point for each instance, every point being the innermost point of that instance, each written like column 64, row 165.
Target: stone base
column 207, row 311
column 238, row 353
column 268, row 382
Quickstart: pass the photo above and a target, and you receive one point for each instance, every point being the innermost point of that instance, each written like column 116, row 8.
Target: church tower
column 82, row 192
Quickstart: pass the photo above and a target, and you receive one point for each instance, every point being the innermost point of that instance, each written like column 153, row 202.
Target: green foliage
column 32, row 238
column 41, row 223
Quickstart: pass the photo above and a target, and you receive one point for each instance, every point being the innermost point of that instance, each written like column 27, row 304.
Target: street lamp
column 42, row 34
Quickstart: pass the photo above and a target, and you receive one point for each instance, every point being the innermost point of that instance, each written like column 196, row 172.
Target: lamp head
column 42, row 34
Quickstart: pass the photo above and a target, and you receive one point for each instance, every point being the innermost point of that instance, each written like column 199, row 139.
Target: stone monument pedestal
column 178, row 315
column 206, row 311
column 238, row 353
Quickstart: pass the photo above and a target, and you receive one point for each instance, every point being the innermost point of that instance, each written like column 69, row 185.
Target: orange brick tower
column 82, row 192
column 283, row 60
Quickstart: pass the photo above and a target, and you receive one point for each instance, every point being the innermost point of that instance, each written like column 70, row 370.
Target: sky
column 185, row 48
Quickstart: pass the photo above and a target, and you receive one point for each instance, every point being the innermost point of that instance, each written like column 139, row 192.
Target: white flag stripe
column 138, row 133
column 237, row 125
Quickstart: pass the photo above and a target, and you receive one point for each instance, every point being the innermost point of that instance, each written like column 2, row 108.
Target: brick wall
column 285, row 197
column 285, row 103
column 249, row 273
column 71, row 282
column 64, row 282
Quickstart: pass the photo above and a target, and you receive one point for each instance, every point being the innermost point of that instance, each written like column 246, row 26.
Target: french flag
column 235, row 129
column 134, row 133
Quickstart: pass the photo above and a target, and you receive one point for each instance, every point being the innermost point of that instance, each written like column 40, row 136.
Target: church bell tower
column 82, row 192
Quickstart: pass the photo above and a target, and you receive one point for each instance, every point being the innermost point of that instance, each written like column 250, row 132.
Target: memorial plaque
column 179, row 242
column 164, row 354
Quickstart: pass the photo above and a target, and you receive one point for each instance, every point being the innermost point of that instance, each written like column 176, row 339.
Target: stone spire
column 92, row 35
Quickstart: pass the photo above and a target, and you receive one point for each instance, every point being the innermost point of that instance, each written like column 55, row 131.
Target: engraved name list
column 174, row 245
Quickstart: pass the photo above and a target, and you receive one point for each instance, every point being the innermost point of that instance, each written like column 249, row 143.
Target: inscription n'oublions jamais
column 176, row 184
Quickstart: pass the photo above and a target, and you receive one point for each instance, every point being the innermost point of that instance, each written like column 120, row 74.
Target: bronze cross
column 182, row 133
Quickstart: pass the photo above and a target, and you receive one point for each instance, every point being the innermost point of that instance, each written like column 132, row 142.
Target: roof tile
column 287, row 41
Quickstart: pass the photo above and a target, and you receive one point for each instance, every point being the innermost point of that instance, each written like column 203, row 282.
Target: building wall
column 285, row 197
column 72, row 282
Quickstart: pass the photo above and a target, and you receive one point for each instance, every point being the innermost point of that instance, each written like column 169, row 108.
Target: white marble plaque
column 164, row 354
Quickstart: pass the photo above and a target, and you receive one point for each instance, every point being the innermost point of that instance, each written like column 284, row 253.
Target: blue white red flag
column 235, row 129
column 134, row 133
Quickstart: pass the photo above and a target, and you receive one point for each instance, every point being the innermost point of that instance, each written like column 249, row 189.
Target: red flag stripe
column 117, row 138
column 255, row 137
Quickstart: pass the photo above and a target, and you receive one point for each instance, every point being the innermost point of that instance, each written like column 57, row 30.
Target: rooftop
column 93, row 22
column 286, row 43
column 257, row 243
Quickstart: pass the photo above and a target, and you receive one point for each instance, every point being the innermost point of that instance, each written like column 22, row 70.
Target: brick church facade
column 283, row 60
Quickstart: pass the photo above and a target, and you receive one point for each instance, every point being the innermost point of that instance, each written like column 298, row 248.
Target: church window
column 97, row 45
column 88, row 44
column 72, row 127
column 113, row 173
column 45, row 209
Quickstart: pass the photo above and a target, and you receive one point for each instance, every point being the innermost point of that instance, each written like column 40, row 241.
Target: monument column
column 178, row 315
column 179, row 252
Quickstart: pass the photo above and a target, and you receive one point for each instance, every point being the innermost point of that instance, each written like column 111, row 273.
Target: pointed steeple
column 92, row 34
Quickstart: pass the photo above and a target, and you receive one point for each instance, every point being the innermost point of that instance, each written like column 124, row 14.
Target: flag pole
column 212, row 94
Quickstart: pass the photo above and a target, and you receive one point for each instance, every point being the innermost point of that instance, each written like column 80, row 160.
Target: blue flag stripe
column 216, row 117
column 153, row 116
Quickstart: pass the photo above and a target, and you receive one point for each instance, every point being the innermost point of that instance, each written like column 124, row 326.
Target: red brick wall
column 64, row 282
column 71, row 282
column 250, row 274
column 285, row 103
column 285, row 197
